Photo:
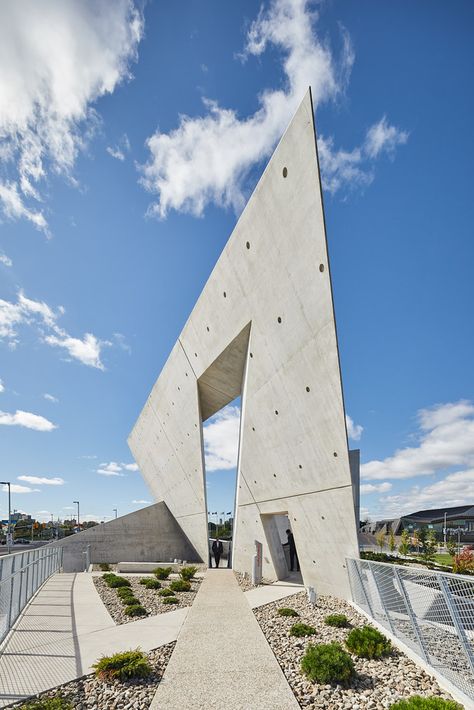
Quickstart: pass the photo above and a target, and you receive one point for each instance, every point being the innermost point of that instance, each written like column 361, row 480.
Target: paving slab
column 222, row 659
column 272, row 592
column 64, row 630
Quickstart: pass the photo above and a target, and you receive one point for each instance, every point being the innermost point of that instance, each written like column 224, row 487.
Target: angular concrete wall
column 263, row 326
column 147, row 535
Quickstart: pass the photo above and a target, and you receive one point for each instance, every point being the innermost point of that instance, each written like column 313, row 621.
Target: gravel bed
column 378, row 684
column 244, row 582
column 149, row 598
column 90, row 693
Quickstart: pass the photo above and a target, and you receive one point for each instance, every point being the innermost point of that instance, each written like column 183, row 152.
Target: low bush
column 114, row 581
column 285, row 611
column 179, row 585
column 187, row 573
column 135, row 609
column 299, row 629
column 123, row 592
column 104, row 566
column 339, row 620
column 150, row 583
column 170, row 600
column 464, row 562
column 130, row 600
column 162, row 572
column 166, row 592
column 416, row 702
column 327, row 663
column 57, row 703
column 367, row 642
column 108, row 576
column 123, row 666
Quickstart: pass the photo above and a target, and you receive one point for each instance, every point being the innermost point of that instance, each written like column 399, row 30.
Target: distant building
column 459, row 519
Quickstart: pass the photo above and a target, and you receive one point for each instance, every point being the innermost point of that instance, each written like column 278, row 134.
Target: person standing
column 293, row 553
column 217, row 550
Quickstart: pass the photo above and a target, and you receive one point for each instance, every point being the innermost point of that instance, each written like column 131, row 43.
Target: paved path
column 272, row 592
column 64, row 630
column 222, row 660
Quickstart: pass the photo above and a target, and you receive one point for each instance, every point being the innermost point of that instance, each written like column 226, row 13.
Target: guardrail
column 430, row 612
column 21, row 575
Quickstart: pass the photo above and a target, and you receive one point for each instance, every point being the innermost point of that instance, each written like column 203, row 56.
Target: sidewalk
column 222, row 659
column 64, row 630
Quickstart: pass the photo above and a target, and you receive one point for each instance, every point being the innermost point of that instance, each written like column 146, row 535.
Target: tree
column 451, row 547
column 380, row 537
column 464, row 562
column 430, row 546
column 404, row 546
column 391, row 542
column 416, row 540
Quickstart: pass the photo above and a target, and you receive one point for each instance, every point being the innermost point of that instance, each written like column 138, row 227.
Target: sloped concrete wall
column 147, row 535
column 272, row 285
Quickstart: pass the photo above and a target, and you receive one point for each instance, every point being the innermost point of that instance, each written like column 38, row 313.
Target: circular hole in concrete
column 253, row 428
column 307, row 389
column 300, row 466
column 251, row 354
column 247, row 245
column 195, row 354
column 322, row 517
column 207, row 328
column 274, row 475
column 279, row 319
column 276, row 411
column 321, row 268
column 335, row 454
column 225, row 295
column 285, row 172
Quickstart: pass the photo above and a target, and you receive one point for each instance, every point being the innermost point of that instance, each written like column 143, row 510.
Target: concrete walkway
column 222, row 659
column 272, row 592
column 64, row 630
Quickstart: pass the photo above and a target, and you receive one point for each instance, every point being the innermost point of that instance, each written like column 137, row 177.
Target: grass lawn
column 444, row 559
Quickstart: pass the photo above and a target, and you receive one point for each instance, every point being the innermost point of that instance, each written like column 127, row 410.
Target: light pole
column 445, row 533
column 115, row 511
column 77, row 503
column 7, row 483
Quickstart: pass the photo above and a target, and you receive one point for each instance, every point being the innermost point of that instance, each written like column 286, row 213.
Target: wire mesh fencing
column 430, row 612
column 21, row 575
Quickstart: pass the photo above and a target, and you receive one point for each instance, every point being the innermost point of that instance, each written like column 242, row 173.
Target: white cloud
column 445, row 440
column 42, row 480
column 207, row 159
column 56, row 59
column 130, row 466
column 2, row 386
column 142, row 502
column 113, row 468
column 86, row 456
column 367, row 488
column 382, row 137
column 221, row 439
column 26, row 419
column 5, row 260
column 50, row 397
column 354, row 431
column 119, row 151
column 30, row 312
column 16, row 488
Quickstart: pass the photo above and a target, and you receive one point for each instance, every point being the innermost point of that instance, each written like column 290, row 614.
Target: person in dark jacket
column 293, row 553
column 217, row 550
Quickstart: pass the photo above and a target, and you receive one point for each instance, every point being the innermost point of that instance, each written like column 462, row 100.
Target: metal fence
column 21, row 575
column 431, row 612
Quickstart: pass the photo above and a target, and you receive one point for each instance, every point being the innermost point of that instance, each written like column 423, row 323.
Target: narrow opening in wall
column 282, row 546
column 221, row 444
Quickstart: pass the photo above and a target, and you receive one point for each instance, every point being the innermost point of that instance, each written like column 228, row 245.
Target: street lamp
column 7, row 483
column 77, row 503
column 115, row 511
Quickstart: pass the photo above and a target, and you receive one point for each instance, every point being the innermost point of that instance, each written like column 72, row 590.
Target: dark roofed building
column 459, row 519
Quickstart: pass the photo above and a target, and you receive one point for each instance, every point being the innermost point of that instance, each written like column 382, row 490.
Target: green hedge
column 367, row 642
column 328, row 663
column 123, row 666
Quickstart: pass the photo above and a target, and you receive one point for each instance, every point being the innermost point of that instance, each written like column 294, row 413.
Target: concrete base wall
column 148, row 535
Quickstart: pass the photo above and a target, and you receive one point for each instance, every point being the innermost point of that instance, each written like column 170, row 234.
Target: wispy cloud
column 50, row 398
column 42, row 480
column 2, row 386
column 16, row 488
column 221, row 439
column 120, row 151
column 354, row 431
column 113, row 468
column 5, row 260
column 367, row 488
column 27, row 311
column 142, row 502
column 207, row 159
column 27, row 420
column 445, row 440
column 56, row 60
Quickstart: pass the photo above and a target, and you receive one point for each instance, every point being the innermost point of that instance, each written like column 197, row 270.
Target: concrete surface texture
column 147, row 535
column 222, row 659
column 64, row 630
column 264, row 328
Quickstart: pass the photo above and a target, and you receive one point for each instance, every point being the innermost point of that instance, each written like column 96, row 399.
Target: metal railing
column 430, row 612
column 21, row 575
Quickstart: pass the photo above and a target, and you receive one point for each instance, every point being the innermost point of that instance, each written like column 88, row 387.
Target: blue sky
column 130, row 137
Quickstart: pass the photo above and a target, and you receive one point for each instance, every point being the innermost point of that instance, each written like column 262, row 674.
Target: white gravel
column 378, row 684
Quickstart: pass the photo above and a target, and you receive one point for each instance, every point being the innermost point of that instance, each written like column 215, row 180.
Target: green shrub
column 179, row 585
column 123, row 666
column 299, row 629
column 367, row 642
column 114, row 581
column 162, row 572
column 339, row 620
column 108, row 576
column 130, row 601
column 57, row 703
column 187, row 573
column 284, row 611
column 124, row 592
column 166, row 592
column 416, row 702
column 327, row 663
column 135, row 609
column 170, row 600
column 104, row 566
column 150, row 583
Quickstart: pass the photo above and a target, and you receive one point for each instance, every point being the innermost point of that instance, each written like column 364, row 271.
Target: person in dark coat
column 217, row 550
column 293, row 553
